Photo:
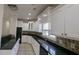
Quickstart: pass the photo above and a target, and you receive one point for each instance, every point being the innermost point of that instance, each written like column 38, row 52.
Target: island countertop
column 52, row 48
column 59, row 41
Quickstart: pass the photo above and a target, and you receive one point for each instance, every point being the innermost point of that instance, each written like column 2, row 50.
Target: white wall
column 19, row 24
column 25, row 27
column 6, row 21
column 1, row 19
column 9, row 22
column 44, row 18
column 13, row 25
column 36, row 26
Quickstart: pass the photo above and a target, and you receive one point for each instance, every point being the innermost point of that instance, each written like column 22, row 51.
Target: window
column 46, row 28
column 40, row 27
column 30, row 26
column 45, row 32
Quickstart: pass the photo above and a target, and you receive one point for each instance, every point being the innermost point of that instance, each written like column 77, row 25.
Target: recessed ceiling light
column 34, row 8
column 28, row 18
column 44, row 15
column 29, row 13
column 39, row 18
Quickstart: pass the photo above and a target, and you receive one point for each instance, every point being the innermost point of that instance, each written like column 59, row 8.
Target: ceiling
column 24, row 9
column 35, row 9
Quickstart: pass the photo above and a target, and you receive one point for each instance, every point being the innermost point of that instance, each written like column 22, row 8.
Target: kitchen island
column 48, row 46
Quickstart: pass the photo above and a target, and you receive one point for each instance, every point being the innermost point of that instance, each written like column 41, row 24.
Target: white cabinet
column 72, row 21
column 36, row 46
column 33, row 42
column 26, row 39
column 66, row 20
column 58, row 23
column 15, row 48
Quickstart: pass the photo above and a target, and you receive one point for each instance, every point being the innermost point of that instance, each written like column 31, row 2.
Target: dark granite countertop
column 9, row 45
column 58, row 46
column 31, row 33
column 52, row 48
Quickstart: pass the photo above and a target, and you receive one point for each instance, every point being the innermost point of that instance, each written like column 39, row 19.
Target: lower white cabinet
column 36, row 46
column 26, row 39
column 15, row 48
column 12, row 51
column 33, row 42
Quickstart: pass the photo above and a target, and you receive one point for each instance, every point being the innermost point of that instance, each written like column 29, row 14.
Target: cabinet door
column 36, row 46
column 26, row 39
column 72, row 21
column 58, row 23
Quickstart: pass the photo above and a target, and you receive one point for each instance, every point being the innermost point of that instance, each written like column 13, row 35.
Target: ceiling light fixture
column 39, row 19
column 29, row 13
column 44, row 15
column 28, row 18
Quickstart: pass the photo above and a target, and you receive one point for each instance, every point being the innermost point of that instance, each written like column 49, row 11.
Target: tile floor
column 25, row 49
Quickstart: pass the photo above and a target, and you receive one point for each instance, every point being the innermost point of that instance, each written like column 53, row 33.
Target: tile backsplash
column 69, row 44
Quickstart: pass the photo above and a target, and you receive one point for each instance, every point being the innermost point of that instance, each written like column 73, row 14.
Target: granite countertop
column 67, row 37
column 31, row 33
column 9, row 45
column 66, row 42
column 53, row 49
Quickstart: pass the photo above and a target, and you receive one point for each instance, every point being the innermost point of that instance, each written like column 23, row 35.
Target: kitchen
column 49, row 29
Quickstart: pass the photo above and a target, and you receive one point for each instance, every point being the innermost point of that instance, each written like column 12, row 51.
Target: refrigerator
column 19, row 34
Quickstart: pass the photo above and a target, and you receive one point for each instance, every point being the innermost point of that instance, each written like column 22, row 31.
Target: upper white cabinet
column 65, row 20
column 72, row 21
column 58, row 23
